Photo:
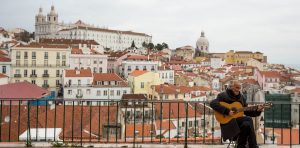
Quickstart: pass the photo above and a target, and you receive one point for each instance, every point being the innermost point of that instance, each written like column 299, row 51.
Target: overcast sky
column 268, row 26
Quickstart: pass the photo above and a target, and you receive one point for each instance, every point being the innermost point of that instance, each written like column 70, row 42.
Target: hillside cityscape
column 78, row 82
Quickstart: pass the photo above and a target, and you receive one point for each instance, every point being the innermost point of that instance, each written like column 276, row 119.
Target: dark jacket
column 229, row 97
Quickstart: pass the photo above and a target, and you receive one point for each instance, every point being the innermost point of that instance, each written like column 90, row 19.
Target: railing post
column 186, row 125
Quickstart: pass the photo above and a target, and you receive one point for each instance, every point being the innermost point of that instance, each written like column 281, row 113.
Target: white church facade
column 49, row 27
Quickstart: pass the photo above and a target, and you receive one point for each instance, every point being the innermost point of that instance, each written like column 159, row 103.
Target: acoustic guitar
column 239, row 111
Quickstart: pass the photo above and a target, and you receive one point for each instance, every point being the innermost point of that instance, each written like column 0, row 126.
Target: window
column 118, row 92
column 33, row 62
column 142, row 84
column 18, row 63
column 46, row 55
column 166, row 97
column 57, row 55
column 70, row 92
column 136, row 67
column 79, row 82
column 63, row 55
column 57, row 82
column 3, row 69
column 105, row 92
column 33, row 71
column 25, row 55
column 46, row 63
column 57, row 62
column 25, row 73
column 88, row 91
column 17, row 71
column 33, row 55
column 57, row 73
column 33, row 81
column 95, row 69
column 45, row 71
column 18, row 55
column 63, row 63
column 112, row 93
column 98, row 92
column 100, row 70
column 45, row 82
column 26, row 63
column 183, row 124
column 190, row 123
column 95, row 62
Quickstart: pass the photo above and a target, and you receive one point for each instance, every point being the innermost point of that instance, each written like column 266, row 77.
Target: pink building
column 267, row 80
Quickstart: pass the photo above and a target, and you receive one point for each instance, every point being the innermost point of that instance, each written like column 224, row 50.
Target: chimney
column 77, row 72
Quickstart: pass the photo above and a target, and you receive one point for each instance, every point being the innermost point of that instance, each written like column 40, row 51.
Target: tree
column 165, row 45
column 132, row 44
column 158, row 47
column 144, row 44
column 151, row 46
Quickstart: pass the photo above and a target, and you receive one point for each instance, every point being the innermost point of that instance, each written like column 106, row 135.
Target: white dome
column 202, row 41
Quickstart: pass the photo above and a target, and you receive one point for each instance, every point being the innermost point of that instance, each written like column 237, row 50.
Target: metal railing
column 135, row 122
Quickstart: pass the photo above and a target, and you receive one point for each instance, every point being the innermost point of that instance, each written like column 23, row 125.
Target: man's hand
column 260, row 108
column 231, row 113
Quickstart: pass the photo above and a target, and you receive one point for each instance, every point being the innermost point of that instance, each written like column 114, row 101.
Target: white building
column 202, row 46
column 166, row 74
column 3, row 79
column 216, row 62
column 82, row 84
column 115, row 60
column 85, row 57
column 137, row 62
column 5, row 65
column 49, row 27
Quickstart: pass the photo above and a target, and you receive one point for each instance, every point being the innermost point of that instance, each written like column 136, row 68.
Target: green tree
column 165, row 45
column 144, row 44
column 158, row 47
column 132, row 44
column 151, row 46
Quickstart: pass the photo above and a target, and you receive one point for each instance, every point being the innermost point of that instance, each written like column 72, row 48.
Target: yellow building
column 141, row 81
column 241, row 57
column 40, row 64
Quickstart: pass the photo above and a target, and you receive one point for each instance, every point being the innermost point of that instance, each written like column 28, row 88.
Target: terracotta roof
column 116, row 54
column 296, row 90
column 80, row 73
column 138, row 57
column 76, row 51
column 4, row 59
column 107, row 77
column 134, row 97
column 139, row 127
column 25, row 90
column 165, row 124
column 285, row 136
column 3, row 75
column 201, row 88
column 38, row 45
column 175, row 111
column 270, row 74
column 68, row 41
column 106, row 30
column 249, row 81
column 2, row 52
column 136, row 73
column 171, row 89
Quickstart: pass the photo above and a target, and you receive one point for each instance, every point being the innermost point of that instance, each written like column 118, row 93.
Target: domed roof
column 40, row 12
column 52, row 12
column 202, row 41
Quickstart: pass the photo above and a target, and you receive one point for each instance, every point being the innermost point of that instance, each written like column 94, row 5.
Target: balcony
column 78, row 122
column 45, row 75
column 45, row 85
column 17, row 75
column 33, row 75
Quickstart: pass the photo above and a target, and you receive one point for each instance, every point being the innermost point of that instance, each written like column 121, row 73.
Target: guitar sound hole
column 234, row 109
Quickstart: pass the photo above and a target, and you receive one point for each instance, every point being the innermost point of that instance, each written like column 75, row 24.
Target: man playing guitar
column 244, row 123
